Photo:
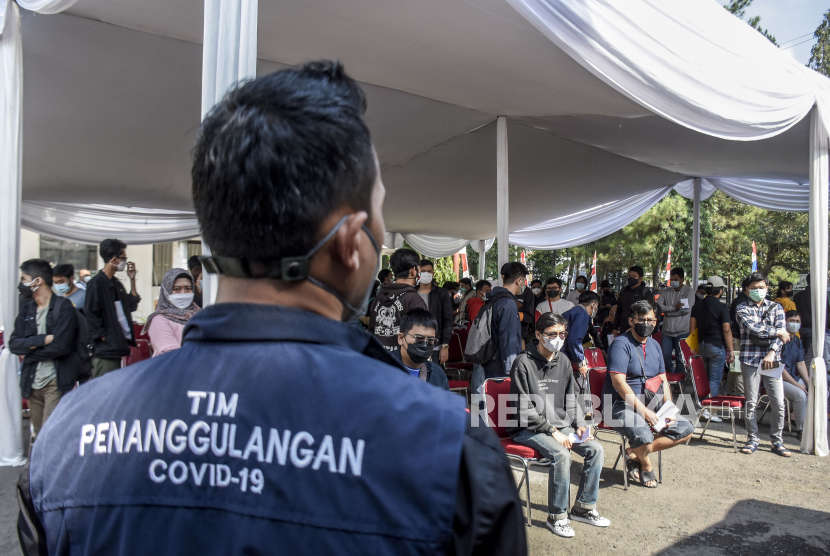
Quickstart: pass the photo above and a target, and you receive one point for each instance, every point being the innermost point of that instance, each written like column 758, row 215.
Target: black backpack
column 83, row 344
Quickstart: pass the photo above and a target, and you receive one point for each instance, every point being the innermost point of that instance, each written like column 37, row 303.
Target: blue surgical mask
column 61, row 289
column 793, row 327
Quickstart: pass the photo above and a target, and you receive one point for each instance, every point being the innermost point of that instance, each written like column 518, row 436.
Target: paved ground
column 712, row 502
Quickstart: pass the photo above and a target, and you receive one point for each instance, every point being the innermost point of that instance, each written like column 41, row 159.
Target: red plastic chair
column 527, row 456
column 455, row 360
column 700, row 386
column 657, row 335
column 595, row 358
column 139, row 353
column 596, row 378
column 138, row 330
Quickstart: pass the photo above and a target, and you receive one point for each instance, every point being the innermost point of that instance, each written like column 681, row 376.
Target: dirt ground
column 712, row 502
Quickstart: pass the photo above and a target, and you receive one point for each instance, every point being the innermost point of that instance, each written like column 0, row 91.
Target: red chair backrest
column 138, row 330
column 139, row 353
column 495, row 388
column 456, row 354
column 701, row 379
column 463, row 332
column 687, row 353
column 595, row 358
column 657, row 336
column 596, row 377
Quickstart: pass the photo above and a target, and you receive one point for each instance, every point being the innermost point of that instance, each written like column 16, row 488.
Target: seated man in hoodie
column 417, row 340
column 543, row 374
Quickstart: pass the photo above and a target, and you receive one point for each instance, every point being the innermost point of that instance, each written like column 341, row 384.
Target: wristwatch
column 552, row 431
column 446, row 346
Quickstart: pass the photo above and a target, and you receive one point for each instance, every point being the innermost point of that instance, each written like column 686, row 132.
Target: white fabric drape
column 435, row 246
column 587, row 225
column 779, row 195
column 94, row 223
column 393, row 240
column 689, row 61
column 229, row 53
column 815, row 425
column 11, row 162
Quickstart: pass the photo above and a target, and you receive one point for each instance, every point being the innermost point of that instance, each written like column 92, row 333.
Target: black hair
column 481, row 283
column 426, row 262
column 38, row 268
column 416, row 317
column 712, row 290
column 745, row 283
column 450, row 285
column 702, row 287
column 791, row 314
column 588, row 297
column 466, row 281
column 550, row 319
column 605, row 284
column 193, row 262
column 402, row 261
column 110, row 248
column 677, row 271
column 383, row 274
column 278, row 156
column 535, row 281
column 554, row 280
column 64, row 271
column 638, row 269
column 783, row 285
column 583, row 278
column 642, row 308
column 513, row 271
column 756, row 277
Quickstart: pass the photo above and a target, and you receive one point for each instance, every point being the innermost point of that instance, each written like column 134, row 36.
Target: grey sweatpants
column 775, row 391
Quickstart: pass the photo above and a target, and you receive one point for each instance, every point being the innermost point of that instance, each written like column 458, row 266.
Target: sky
column 787, row 20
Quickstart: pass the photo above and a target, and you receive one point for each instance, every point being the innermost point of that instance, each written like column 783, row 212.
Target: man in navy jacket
column 579, row 321
column 278, row 427
column 507, row 326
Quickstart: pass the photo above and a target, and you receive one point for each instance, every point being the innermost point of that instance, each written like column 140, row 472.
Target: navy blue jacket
column 578, row 324
column 271, row 431
column 508, row 332
column 435, row 374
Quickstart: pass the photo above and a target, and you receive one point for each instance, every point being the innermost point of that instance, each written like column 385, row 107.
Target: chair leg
column 527, row 490
column 734, row 435
column 625, row 468
column 660, row 467
column 706, row 427
column 789, row 415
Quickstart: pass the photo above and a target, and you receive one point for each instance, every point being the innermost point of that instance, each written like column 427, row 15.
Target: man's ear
column 347, row 240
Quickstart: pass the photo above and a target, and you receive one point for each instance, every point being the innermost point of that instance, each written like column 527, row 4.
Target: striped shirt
column 750, row 317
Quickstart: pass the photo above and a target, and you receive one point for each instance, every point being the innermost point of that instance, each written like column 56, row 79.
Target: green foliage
column 820, row 54
column 443, row 271
column 738, row 7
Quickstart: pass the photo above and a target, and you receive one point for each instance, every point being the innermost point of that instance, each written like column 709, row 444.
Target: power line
column 792, row 45
column 795, row 39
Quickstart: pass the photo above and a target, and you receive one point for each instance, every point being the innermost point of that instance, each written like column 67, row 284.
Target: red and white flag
column 754, row 258
column 593, row 286
column 668, row 268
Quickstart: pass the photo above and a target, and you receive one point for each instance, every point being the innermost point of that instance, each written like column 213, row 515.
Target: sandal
column 647, row 477
column 780, row 450
column 749, row 448
column 633, row 469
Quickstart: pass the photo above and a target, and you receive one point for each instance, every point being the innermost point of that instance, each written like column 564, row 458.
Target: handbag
column 652, row 387
column 757, row 340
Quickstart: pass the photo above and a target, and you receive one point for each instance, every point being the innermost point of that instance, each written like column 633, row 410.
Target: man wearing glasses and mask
column 417, row 340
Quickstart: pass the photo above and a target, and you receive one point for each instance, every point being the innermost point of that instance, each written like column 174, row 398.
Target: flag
column 754, row 258
column 668, row 268
column 522, row 257
column 593, row 285
column 465, row 271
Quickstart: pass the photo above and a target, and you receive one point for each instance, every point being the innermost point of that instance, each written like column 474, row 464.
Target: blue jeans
column 633, row 427
column 714, row 358
column 559, row 478
column 672, row 344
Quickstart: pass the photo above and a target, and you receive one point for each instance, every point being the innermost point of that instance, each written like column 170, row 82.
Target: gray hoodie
column 676, row 323
column 554, row 384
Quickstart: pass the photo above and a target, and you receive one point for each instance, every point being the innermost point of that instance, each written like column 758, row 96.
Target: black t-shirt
column 711, row 315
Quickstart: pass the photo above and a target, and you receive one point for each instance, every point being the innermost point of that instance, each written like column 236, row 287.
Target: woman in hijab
column 175, row 308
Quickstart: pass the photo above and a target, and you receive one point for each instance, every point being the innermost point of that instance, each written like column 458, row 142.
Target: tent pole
column 228, row 56
column 815, row 425
column 696, row 235
column 502, row 192
column 482, row 254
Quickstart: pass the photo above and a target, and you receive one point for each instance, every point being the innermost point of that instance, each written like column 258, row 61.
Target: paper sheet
column 665, row 414
column 774, row 372
column 685, row 302
column 580, row 439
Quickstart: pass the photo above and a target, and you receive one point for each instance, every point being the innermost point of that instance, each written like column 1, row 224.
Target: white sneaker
column 591, row 517
column 708, row 417
column 561, row 527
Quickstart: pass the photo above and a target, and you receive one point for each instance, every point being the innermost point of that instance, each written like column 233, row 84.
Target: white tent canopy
column 607, row 105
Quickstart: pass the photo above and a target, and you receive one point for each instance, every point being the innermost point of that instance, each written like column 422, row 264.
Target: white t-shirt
column 122, row 320
column 573, row 297
column 548, row 306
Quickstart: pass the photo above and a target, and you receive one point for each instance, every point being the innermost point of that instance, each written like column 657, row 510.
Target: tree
column 738, row 7
column 820, row 54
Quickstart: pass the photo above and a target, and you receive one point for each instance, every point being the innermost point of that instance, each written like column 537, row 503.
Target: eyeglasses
column 423, row 340
column 562, row 335
column 646, row 321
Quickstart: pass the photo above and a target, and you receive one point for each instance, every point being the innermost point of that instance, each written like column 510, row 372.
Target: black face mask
column 633, row 281
column 25, row 291
column 553, row 293
column 419, row 354
column 788, row 293
column 643, row 330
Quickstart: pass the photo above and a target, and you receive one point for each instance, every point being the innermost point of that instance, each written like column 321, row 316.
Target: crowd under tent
column 544, row 123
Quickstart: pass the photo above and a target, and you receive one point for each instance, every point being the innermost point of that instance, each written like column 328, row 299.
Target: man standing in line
column 439, row 304
column 579, row 321
column 395, row 299
column 44, row 334
column 506, row 328
column 63, row 276
column 635, row 291
column 108, row 309
column 676, row 302
column 194, row 265
column 607, row 300
column 554, row 302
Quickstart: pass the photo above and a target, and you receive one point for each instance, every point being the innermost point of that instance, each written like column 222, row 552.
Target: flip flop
column 749, row 448
column 647, row 477
column 633, row 468
column 780, row 450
